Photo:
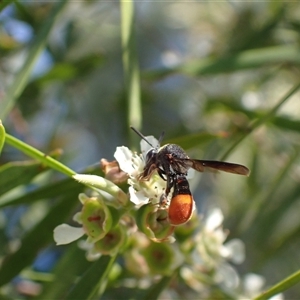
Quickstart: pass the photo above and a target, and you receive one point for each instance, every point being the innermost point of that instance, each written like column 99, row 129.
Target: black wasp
column 172, row 164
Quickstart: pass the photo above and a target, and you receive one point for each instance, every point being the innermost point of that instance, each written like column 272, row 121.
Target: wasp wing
column 213, row 165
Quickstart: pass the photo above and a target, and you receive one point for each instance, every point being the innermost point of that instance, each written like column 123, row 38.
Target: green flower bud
column 153, row 222
column 160, row 258
column 96, row 219
column 101, row 184
column 111, row 243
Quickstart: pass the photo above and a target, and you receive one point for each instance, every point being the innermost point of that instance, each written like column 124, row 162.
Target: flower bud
column 113, row 172
column 95, row 218
column 185, row 231
column 160, row 258
column 153, row 221
column 101, row 184
column 112, row 242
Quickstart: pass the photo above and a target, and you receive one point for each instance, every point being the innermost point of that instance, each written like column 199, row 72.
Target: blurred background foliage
column 208, row 71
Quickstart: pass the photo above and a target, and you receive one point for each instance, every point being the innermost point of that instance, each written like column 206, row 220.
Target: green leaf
column 51, row 190
column 247, row 59
column 279, row 121
column 2, row 136
column 22, row 77
column 72, row 264
column 156, row 289
column 189, row 141
column 91, row 281
column 14, row 174
column 262, row 120
column 3, row 4
column 131, row 68
column 257, row 207
column 48, row 191
column 38, row 237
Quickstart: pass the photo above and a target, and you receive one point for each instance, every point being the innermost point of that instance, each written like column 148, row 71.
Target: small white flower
column 252, row 285
column 214, row 219
column 234, row 250
column 210, row 239
column 137, row 197
column 65, row 234
column 192, row 279
column 212, row 251
column 277, row 297
column 227, row 276
column 141, row 191
column 91, row 253
column 145, row 147
column 129, row 162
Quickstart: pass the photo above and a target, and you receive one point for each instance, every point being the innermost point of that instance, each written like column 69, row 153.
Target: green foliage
column 222, row 81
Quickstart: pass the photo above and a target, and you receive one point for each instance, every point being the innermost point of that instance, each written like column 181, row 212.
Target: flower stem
column 280, row 287
column 2, row 136
column 40, row 156
column 131, row 67
column 257, row 123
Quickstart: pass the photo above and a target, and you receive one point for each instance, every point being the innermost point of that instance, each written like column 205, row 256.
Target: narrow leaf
column 38, row 237
column 22, row 77
column 3, row 4
column 131, row 67
column 14, row 174
column 2, row 136
column 248, row 59
column 72, row 264
column 155, row 290
column 262, row 120
column 91, row 281
column 51, row 190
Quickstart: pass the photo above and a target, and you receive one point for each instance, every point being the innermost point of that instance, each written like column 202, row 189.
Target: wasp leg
column 170, row 184
column 163, row 201
column 162, row 174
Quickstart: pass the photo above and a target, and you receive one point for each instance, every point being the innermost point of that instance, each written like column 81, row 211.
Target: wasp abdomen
column 182, row 202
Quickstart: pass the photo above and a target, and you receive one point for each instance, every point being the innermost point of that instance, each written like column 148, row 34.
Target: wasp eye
column 150, row 155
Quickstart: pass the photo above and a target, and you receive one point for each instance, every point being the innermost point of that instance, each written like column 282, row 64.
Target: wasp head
column 150, row 165
column 151, row 156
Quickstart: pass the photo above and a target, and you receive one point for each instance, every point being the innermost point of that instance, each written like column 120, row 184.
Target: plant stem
column 131, row 67
column 262, row 120
column 40, row 156
column 280, row 287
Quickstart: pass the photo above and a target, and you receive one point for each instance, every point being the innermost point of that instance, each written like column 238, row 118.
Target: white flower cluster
column 133, row 164
column 211, row 262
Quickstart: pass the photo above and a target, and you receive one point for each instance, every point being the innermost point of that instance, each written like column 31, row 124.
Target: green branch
column 131, row 67
column 40, row 156
column 280, row 287
column 262, row 120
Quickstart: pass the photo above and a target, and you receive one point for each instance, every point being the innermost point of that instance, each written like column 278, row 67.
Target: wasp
column 172, row 164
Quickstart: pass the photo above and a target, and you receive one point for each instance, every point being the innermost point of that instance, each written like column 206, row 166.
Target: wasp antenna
column 141, row 135
column 161, row 137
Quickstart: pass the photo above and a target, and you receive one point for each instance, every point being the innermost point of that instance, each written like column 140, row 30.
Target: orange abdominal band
column 180, row 209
